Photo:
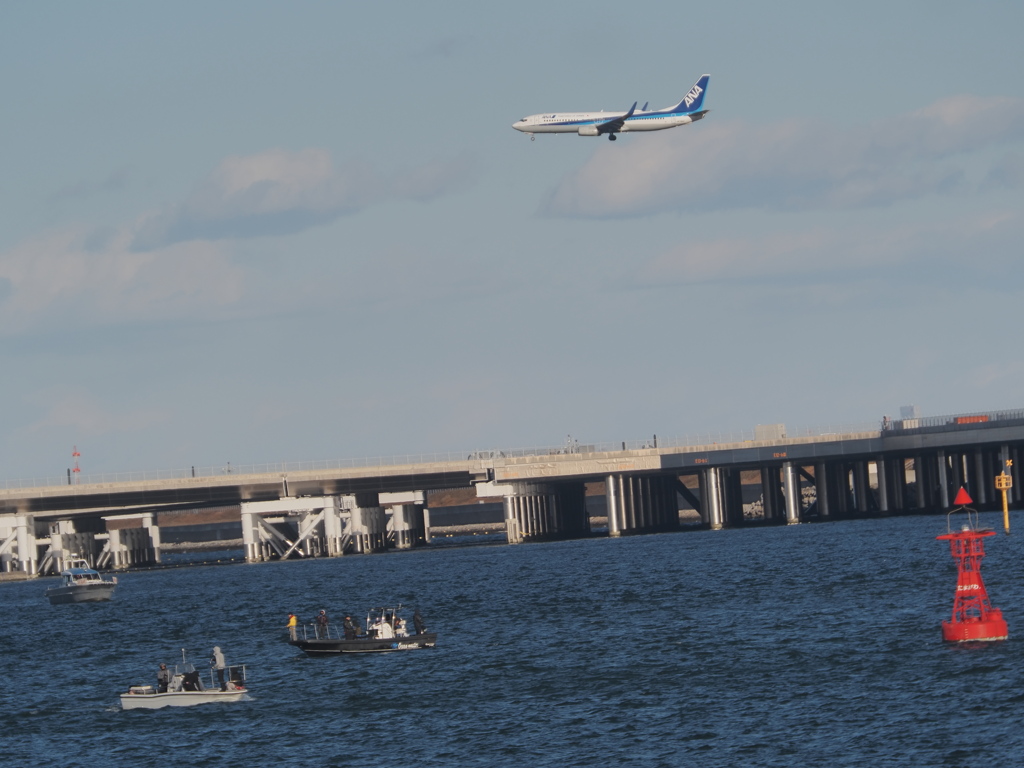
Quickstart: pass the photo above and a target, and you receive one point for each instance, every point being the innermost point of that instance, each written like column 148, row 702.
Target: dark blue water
column 814, row 645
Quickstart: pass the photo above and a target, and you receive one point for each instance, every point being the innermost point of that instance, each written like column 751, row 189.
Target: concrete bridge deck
column 903, row 465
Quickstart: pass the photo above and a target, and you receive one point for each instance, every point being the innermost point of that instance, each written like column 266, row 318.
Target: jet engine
column 588, row 130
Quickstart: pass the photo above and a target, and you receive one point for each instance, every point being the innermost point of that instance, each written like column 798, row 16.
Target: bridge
column 902, row 466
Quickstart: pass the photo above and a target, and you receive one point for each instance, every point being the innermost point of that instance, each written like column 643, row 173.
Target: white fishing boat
column 187, row 688
column 81, row 584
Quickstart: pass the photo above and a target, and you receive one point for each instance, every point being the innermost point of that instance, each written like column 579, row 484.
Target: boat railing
column 314, row 631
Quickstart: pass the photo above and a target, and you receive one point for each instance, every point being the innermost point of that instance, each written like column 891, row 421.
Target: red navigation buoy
column 974, row 618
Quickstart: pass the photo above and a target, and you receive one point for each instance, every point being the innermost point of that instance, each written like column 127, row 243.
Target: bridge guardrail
column 571, row 446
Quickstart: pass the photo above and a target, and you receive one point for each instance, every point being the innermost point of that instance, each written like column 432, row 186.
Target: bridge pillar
column 25, row 527
column 956, row 467
column 153, row 532
column 334, row 527
column 544, row 511
column 900, row 476
column 407, row 525
column 310, row 526
column 126, row 547
column 843, row 489
column 883, row 485
column 981, row 479
column 791, row 489
column 732, row 497
column 943, row 480
column 368, row 524
column 714, row 498
column 642, row 504
column 821, row 485
column 770, row 493
column 920, row 482
column 67, row 543
column 256, row 550
column 613, row 503
column 860, row 486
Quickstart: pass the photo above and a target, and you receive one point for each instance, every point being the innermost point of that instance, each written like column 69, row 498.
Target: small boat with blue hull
column 81, row 584
column 385, row 632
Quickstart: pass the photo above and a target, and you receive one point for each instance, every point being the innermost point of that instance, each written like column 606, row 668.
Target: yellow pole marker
column 1004, row 481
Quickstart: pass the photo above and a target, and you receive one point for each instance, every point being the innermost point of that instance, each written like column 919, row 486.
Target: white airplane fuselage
column 573, row 122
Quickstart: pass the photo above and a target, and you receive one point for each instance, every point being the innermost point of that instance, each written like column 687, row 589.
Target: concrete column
column 956, row 467
column 118, row 555
column 629, row 522
column 25, row 525
column 900, row 474
column 702, row 491
column 553, row 510
column 860, row 485
column 613, row 502
column 714, row 502
column 883, row 485
column 920, row 480
column 251, row 536
column 982, row 482
column 333, row 528
column 368, row 527
column 943, row 480
column 153, row 530
column 512, row 533
column 791, row 489
column 769, row 479
column 407, row 525
column 843, row 488
column 732, row 508
column 647, row 497
column 821, row 487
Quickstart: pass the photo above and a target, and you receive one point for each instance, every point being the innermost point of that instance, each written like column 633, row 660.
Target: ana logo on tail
column 692, row 95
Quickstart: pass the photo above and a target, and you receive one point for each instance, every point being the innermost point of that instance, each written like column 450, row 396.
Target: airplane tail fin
column 693, row 101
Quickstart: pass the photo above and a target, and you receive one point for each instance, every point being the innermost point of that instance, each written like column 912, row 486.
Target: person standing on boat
column 217, row 662
column 322, row 623
column 293, row 623
column 350, row 629
column 417, row 622
column 163, row 679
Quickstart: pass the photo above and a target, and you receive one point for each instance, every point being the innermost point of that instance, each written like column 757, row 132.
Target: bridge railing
column 570, row 446
column 981, row 420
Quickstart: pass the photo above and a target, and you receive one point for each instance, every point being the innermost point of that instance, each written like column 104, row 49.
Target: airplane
column 689, row 110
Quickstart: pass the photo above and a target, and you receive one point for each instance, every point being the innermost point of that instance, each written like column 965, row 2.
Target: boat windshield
column 80, row 575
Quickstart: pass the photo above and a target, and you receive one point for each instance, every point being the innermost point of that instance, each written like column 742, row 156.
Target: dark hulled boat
column 385, row 632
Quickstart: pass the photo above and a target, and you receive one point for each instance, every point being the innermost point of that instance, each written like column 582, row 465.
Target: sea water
column 810, row 645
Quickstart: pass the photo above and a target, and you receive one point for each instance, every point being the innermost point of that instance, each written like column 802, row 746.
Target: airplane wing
column 615, row 124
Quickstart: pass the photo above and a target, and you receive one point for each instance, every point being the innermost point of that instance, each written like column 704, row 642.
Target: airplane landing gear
column 532, row 137
column 611, row 137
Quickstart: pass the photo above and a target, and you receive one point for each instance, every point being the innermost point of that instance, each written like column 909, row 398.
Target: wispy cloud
column 67, row 275
column 281, row 193
column 981, row 248
column 791, row 165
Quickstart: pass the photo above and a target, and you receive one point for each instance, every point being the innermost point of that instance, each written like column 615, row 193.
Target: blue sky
column 259, row 232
